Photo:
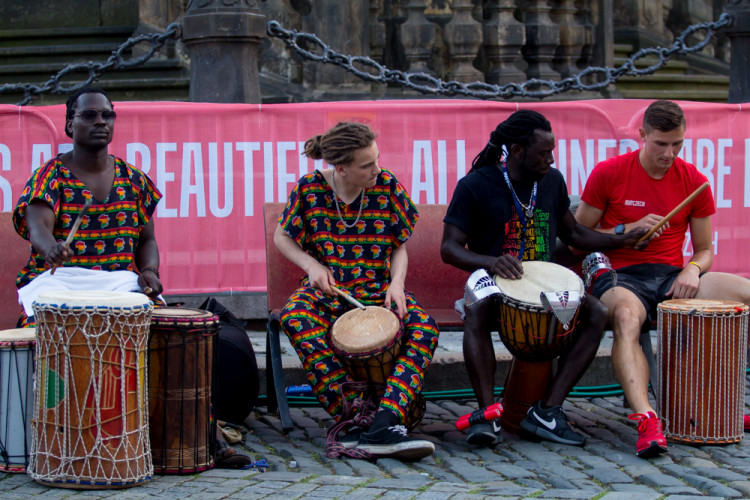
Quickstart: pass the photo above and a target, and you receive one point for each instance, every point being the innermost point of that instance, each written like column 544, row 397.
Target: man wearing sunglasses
column 116, row 233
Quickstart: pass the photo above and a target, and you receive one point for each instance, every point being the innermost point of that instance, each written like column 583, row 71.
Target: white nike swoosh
column 496, row 427
column 549, row 424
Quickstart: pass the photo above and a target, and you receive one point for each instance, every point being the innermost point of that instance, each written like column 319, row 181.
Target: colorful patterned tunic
column 359, row 258
column 109, row 232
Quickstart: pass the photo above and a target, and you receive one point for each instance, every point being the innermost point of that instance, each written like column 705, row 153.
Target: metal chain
column 373, row 71
column 95, row 70
column 426, row 84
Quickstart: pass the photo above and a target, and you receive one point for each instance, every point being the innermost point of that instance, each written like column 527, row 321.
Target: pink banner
column 217, row 164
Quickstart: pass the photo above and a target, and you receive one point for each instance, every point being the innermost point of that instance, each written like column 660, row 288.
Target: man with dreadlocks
column 484, row 228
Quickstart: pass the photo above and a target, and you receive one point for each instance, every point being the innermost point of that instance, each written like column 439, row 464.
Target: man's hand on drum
column 686, row 285
column 507, row 266
column 58, row 254
column 321, row 277
column 395, row 294
column 150, row 283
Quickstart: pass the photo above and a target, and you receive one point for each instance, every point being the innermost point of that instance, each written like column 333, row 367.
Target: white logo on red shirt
column 635, row 203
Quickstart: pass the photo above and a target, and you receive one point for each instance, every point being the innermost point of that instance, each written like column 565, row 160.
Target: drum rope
column 700, row 373
column 80, row 435
column 358, row 412
column 16, row 372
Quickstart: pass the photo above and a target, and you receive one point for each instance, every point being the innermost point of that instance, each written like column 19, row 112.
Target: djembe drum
column 90, row 421
column 537, row 315
column 701, row 370
column 16, row 397
column 367, row 342
column 182, row 359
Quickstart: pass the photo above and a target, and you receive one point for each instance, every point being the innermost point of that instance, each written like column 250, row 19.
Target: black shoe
column 484, row 434
column 351, row 438
column 551, row 424
column 393, row 442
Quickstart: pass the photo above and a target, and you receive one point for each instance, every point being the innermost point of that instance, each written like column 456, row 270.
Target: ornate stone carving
column 463, row 36
column 572, row 37
column 542, row 39
column 503, row 38
column 417, row 37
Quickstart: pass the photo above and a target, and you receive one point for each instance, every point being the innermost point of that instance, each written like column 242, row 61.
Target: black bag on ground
column 237, row 374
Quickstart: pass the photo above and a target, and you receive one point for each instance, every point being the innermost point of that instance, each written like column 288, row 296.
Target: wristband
column 700, row 270
column 152, row 269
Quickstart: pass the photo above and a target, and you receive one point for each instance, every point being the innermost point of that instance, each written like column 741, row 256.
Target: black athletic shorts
column 649, row 282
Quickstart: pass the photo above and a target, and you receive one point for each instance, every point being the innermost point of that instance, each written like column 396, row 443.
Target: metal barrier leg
column 275, row 386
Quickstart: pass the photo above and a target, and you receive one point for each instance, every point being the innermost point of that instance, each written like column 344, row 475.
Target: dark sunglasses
column 89, row 115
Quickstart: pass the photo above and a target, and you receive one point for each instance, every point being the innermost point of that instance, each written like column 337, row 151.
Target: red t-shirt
column 621, row 188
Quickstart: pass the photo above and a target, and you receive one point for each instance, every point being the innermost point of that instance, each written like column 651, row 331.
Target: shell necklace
column 336, row 200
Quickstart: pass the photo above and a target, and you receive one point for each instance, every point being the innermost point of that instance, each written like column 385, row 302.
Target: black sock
column 383, row 419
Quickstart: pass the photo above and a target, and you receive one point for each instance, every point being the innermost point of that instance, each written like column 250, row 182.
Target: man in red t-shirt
column 638, row 189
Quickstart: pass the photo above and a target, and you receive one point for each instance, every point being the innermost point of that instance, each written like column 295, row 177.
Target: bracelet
column 700, row 270
column 152, row 269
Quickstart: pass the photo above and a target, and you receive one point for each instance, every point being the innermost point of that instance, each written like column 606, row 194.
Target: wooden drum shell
column 701, row 370
column 182, row 360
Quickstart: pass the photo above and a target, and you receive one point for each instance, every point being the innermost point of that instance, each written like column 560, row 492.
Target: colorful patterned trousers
column 306, row 320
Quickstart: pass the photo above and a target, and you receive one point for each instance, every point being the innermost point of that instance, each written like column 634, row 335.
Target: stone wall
column 29, row 14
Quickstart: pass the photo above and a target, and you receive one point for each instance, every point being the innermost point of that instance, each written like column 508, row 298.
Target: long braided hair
column 518, row 128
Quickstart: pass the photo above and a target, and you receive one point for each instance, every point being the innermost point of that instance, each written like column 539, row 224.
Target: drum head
column 92, row 298
column 539, row 277
column 687, row 306
column 182, row 315
column 18, row 335
column 359, row 331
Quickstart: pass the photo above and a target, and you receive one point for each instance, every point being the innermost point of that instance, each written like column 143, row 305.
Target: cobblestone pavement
column 606, row 468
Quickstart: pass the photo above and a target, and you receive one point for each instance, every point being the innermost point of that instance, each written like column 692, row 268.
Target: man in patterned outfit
column 346, row 227
column 117, row 233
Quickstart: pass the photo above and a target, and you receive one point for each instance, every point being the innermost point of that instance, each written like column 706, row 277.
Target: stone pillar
column 604, row 47
column 572, row 37
column 739, row 36
column 345, row 28
column 542, row 39
column 377, row 30
column 153, row 17
column 583, row 17
column 222, row 38
column 463, row 35
column 641, row 22
column 503, row 38
column 418, row 37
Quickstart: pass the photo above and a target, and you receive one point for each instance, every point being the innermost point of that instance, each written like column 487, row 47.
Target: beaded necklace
column 336, row 201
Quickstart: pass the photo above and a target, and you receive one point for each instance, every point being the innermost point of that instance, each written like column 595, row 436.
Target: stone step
column 134, row 89
column 33, row 73
column 35, row 55
column 63, row 36
column 447, row 371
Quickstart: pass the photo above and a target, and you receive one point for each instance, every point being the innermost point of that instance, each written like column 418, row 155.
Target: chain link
column 427, row 84
column 370, row 70
column 94, row 69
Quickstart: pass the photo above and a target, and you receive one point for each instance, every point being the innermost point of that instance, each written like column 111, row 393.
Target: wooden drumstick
column 348, row 297
column 76, row 225
column 671, row 214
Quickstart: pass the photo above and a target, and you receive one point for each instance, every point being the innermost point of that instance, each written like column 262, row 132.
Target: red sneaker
column 651, row 441
column 747, row 423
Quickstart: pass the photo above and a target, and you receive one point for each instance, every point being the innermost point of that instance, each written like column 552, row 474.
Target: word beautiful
column 236, row 178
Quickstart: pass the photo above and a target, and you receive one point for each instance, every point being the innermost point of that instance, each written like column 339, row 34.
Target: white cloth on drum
column 562, row 304
column 479, row 286
column 76, row 278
